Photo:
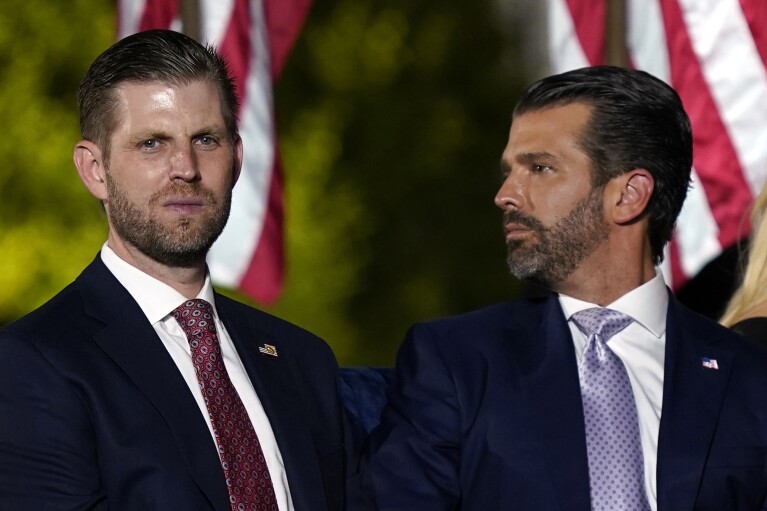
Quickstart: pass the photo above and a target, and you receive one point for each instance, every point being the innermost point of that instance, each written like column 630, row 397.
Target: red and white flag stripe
column 255, row 36
column 714, row 53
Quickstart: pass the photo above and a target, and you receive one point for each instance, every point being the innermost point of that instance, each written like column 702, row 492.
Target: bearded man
column 138, row 386
column 607, row 394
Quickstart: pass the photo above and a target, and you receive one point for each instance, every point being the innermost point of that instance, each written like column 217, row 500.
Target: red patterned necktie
column 247, row 476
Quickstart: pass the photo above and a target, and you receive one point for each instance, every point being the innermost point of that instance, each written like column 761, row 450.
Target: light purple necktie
column 616, row 463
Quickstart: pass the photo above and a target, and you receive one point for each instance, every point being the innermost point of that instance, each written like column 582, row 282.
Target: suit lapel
column 274, row 379
column 692, row 400
column 132, row 343
column 549, row 371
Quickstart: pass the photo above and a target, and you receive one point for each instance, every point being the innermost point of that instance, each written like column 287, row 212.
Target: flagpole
column 190, row 18
column 616, row 51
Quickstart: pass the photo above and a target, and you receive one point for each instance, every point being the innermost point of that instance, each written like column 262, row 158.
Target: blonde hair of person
column 750, row 299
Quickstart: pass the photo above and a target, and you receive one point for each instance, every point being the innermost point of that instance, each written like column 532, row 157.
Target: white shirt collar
column 155, row 298
column 647, row 304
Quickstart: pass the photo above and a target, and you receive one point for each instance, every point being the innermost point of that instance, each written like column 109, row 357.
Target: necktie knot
column 601, row 322
column 195, row 317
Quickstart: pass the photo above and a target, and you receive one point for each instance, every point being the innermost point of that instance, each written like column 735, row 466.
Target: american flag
column 714, row 53
column 255, row 36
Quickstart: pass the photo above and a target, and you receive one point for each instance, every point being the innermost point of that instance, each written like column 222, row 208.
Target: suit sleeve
column 47, row 454
column 414, row 455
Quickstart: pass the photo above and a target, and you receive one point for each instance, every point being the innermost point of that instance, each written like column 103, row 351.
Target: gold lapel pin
column 268, row 349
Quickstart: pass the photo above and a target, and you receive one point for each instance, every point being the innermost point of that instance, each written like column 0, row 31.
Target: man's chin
column 180, row 249
column 527, row 270
column 522, row 271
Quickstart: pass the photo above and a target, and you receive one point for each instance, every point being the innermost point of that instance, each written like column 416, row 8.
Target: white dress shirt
column 158, row 300
column 642, row 348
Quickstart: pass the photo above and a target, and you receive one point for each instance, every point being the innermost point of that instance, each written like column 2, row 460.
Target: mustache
column 516, row 217
column 184, row 190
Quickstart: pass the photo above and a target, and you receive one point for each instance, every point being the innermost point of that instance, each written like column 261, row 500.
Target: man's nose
column 184, row 165
column 510, row 193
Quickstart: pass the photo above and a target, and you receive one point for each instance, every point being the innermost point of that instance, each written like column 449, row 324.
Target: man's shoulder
column 294, row 337
column 55, row 315
column 231, row 307
column 522, row 311
column 698, row 324
column 710, row 332
column 516, row 309
column 65, row 312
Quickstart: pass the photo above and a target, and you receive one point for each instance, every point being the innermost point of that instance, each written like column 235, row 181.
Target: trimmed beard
column 185, row 243
column 557, row 251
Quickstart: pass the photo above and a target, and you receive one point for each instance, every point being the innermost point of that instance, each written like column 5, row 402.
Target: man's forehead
column 548, row 135
column 161, row 94
column 137, row 95
column 551, row 123
column 159, row 108
column 131, row 84
column 139, row 87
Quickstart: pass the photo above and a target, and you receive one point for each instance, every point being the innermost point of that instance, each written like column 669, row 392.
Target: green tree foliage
column 49, row 227
column 393, row 115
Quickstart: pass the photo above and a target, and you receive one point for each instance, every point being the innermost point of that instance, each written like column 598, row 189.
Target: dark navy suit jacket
column 486, row 414
column 94, row 413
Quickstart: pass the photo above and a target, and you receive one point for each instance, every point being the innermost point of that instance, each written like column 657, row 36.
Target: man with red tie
column 138, row 386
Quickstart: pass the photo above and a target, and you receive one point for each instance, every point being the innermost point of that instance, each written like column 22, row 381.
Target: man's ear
column 90, row 166
column 630, row 193
column 237, row 165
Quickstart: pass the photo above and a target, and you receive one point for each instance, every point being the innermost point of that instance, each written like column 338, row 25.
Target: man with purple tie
column 607, row 394
column 138, row 387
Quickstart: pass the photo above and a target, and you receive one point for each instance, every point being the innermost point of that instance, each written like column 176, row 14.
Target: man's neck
column 602, row 293
column 186, row 280
column 604, row 284
column 623, row 263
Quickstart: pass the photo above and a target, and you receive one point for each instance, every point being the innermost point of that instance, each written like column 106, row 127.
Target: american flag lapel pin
column 268, row 349
column 709, row 363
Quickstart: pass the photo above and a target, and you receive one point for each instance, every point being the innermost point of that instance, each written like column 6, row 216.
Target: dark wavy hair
column 637, row 121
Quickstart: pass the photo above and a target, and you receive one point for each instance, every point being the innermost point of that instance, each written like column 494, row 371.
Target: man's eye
column 206, row 140
column 149, row 144
column 541, row 168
